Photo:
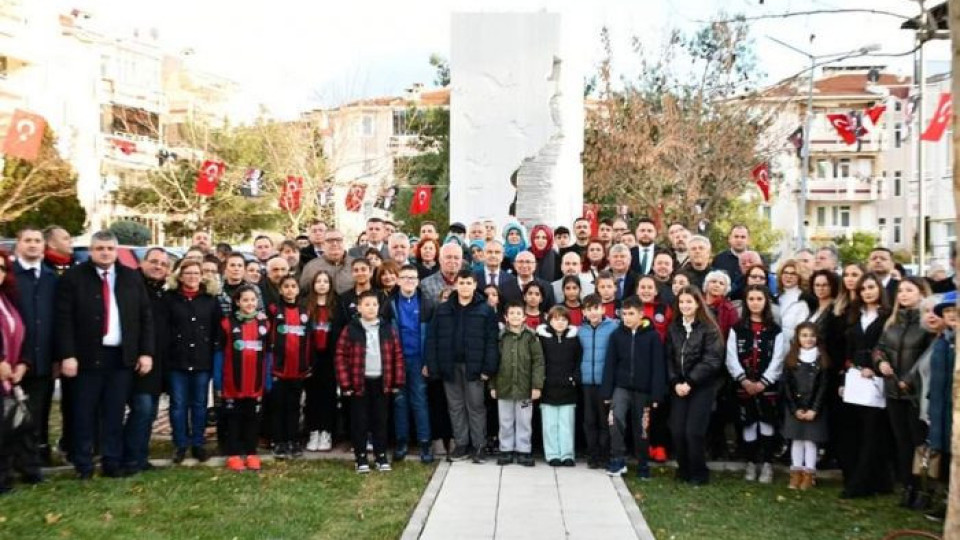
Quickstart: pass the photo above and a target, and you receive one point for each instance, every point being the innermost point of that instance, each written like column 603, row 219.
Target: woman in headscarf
column 541, row 245
column 514, row 241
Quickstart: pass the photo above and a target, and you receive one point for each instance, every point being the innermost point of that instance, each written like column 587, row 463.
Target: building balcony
column 404, row 145
column 827, row 234
column 850, row 189
column 124, row 150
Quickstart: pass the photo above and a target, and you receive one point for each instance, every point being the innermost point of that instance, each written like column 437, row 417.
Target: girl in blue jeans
column 193, row 318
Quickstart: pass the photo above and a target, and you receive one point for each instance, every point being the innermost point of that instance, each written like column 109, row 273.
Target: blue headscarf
column 476, row 264
column 510, row 251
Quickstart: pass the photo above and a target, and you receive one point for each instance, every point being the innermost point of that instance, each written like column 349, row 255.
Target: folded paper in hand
column 859, row 390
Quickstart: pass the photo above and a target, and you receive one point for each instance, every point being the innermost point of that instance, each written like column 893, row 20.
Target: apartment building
column 362, row 141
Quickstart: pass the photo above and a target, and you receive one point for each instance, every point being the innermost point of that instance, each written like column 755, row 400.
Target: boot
column 806, row 480
column 795, row 477
column 922, row 501
column 908, row 496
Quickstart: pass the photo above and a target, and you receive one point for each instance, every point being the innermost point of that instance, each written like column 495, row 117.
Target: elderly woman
column 716, row 285
column 793, row 300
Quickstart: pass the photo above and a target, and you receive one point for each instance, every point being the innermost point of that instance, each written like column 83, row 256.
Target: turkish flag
column 24, row 136
column 591, row 213
column 209, row 176
column 290, row 196
column 354, row 200
column 844, row 127
column 874, row 113
column 941, row 119
column 420, row 203
column 761, row 175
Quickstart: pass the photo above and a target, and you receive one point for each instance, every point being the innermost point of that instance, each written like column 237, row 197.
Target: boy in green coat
column 517, row 383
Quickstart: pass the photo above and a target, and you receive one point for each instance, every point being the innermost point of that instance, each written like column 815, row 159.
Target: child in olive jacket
column 517, row 383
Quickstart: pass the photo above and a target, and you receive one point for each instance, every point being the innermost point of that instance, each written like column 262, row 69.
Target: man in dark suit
column 315, row 233
column 105, row 321
column 728, row 260
column 376, row 239
column 37, row 287
column 642, row 255
column 625, row 278
column 492, row 273
column 525, row 264
column 880, row 263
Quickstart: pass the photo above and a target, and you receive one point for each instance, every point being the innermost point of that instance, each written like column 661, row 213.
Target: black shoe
column 199, row 453
column 147, row 467
column 32, row 478
column 459, row 453
column 908, row 497
column 112, row 472
column 525, row 459
column 296, row 451
column 179, row 456
column 554, row 462
column 279, row 451
column 400, row 451
column 506, row 458
column 568, row 463
column 479, row 457
column 85, row 475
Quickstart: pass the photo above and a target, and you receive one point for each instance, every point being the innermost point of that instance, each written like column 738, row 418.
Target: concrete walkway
column 466, row 501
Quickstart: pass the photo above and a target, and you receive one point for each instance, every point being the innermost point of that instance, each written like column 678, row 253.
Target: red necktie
column 106, row 303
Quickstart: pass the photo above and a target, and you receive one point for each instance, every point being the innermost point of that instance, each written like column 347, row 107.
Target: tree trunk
column 951, row 528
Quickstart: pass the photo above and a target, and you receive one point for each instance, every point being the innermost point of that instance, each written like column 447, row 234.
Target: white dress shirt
column 113, row 337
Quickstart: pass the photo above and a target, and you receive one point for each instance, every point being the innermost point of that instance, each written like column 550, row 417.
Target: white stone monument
column 516, row 118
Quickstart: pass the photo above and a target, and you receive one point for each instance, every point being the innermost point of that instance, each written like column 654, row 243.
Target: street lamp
column 815, row 61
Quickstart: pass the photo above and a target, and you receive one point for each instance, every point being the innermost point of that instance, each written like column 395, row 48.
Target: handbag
column 16, row 413
column 926, row 462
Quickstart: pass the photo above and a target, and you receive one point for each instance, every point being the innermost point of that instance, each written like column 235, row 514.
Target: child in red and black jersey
column 241, row 375
column 370, row 367
column 292, row 359
column 532, row 303
column 320, row 409
column 606, row 287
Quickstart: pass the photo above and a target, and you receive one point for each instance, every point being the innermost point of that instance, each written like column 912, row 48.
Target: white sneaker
column 766, row 474
column 750, row 474
column 326, row 442
column 314, row 443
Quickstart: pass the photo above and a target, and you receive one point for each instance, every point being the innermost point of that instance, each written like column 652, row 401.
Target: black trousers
column 368, row 414
column 100, row 394
column 908, row 433
column 596, row 427
column 320, row 409
column 242, row 419
column 39, row 399
column 440, row 427
column 286, row 409
column 863, row 450
column 689, row 418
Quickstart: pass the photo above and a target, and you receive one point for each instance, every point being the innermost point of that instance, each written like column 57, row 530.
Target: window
column 897, row 226
column 898, row 135
column 821, row 216
column 844, row 168
column 368, row 125
column 882, row 226
column 401, row 123
column 844, row 216
column 824, row 168
column 880, row 187
column 897, row 176
column 897, row 105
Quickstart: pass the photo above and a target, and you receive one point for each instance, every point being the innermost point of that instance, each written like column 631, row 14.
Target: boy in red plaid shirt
column 369, row 362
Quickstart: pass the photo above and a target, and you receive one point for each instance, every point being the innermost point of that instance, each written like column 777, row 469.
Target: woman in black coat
column 865, row 436
column 193, row 315
column 903, row 341
column 695, row 359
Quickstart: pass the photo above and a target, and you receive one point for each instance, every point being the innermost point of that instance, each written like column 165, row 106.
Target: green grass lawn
column 730, row 508
column 315, row 499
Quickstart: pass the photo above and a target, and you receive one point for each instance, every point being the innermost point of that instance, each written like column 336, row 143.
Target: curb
column 640, row 527
column 418, row 519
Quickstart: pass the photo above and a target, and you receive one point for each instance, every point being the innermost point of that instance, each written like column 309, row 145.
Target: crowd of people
column 481, row 344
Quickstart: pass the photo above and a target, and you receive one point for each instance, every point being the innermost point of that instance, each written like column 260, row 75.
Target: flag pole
column 921, row 206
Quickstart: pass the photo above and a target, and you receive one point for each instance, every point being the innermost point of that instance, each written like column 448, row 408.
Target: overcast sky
column 293, row 55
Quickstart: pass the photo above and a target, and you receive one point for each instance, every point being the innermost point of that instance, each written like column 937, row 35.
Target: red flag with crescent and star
column 290, row 196
column 761, row 175
column 24, row 136
column 841, row 123
column 355, row 195
column 940, row 120
column 209, row 176
column 420, row 203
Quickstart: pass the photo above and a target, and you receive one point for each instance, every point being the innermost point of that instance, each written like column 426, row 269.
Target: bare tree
column 25, row 185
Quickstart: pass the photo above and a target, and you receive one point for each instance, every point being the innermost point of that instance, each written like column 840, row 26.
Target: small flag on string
column 874, row 113
column 354, row 200
column 24, row 136
column 761, row 175
column 290, row 195
column 420, row 203
column 941, row 119
column 591, row 213
column 796, row 139
column 846, row 130
column 209, row 176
